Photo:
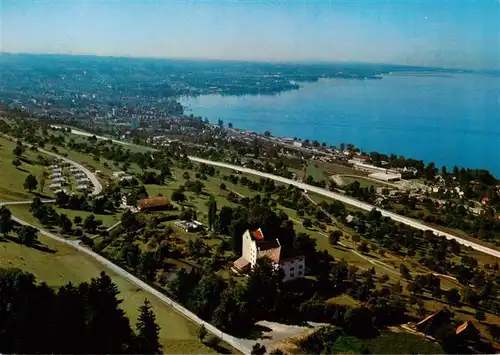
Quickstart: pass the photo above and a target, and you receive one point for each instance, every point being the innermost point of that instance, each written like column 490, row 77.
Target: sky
column 453, row 34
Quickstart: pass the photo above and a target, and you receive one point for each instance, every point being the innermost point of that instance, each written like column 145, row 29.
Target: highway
column 333, row 195
column 353, row 202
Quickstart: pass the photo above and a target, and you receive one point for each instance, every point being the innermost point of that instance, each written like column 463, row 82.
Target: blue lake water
column 451, row 120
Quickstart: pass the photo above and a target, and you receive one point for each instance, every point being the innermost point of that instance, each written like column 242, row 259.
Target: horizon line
column 256, row 61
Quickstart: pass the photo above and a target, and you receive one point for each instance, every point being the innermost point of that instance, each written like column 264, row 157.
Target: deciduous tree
column 30, row 183
column 6, row 222
column 27, row 235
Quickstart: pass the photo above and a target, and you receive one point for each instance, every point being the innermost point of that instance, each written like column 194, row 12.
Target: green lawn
column 388, row 343
column 12, row 178
column 316, row 171
column 332, row 168
column 177, row 334
column 363, row 182
column 79, row 139
column 344, row 300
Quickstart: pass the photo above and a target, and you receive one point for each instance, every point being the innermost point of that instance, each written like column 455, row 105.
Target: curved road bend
column 353, row 202
column 336, row 196
column 87, row 172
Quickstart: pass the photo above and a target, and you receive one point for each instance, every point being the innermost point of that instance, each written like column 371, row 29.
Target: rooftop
column 153, row 202
column 464, row 326
column 430, row 316
column 257, row 234
column 263, row 244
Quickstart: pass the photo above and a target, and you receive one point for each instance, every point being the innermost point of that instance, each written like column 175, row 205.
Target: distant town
column 116, row 203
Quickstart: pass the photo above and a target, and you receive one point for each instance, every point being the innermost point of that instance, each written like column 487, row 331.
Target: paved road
column 26, row 202
column 243, row 345
column 336, row 196
column 353, row 202
column 97, row 185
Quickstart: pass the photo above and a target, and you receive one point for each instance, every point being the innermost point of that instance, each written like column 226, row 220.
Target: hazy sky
column 454, row 33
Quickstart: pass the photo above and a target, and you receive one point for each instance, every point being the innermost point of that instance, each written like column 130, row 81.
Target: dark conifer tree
column 147, row 339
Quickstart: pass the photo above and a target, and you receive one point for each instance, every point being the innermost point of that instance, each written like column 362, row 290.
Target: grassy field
column 316, row 171
column 363, row 182
column 387, row 343
column 332, row 169
column 133, row 147
column 65, row 264
column 344, row 300
column 12, row 178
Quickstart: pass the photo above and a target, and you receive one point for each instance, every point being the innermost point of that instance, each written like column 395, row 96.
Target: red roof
column 430, row 316
column 257, row 234
column 153, row 202
column 461, row 327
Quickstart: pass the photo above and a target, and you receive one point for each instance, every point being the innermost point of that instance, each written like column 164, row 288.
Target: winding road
column 95, row 182
column 243, row 345
column 333, row 195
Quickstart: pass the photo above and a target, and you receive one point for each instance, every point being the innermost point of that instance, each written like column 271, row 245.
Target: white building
column 118, row 174
column 385, row 177
column 58, row 180
column 293, row 268
column 297, row 144
column 255, row 247
column 82, row 180
column 189, row 226
column 81, row 188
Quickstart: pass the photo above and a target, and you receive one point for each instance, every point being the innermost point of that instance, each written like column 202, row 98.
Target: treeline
column 48, row 216
column 485, row 225
column 85, row 318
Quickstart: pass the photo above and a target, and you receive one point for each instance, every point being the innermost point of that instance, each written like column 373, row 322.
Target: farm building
column 154, row 204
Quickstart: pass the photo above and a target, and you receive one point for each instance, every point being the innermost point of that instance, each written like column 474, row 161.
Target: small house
column 58, row 180
column 154, row 204
column 82, row 188
column 82, row 180
column 189, row 226
column 118, row 174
